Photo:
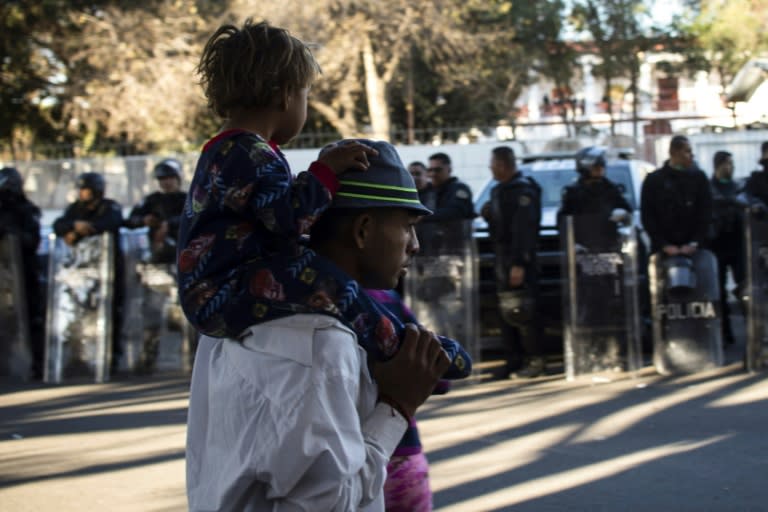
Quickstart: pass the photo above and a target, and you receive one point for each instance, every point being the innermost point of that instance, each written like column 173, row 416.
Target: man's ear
column 362, row 229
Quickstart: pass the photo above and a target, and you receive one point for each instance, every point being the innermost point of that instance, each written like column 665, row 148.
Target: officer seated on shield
column 93, row 214
column 161, row 211
column 594, row 194
column 676, row 203
column 20, row 217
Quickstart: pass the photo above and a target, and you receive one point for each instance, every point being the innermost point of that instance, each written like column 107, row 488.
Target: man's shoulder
column 303, row 338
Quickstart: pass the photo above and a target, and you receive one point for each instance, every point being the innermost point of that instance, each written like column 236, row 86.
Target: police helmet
column 589, row 157
column 93, row 181
column 167, row 168
column 10, row 180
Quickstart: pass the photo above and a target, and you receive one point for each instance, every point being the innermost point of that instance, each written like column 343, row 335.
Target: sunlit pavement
column 693, row 443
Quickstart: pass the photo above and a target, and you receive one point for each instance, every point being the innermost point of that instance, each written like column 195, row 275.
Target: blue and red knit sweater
column 241, row 260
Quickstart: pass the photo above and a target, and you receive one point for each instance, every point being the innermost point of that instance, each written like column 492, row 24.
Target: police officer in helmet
column 20, row 217
column 593, row 193
column 91, row 214
column 161, row 211
column 94, row 214
column 514, row 215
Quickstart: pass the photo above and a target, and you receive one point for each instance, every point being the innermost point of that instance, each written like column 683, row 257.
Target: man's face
column 596, row 171
column 420, row 178
column 85, row 195
column 725, row 169
column 389, row 247
column 682, row 157
column 169, row 184
column 439, row 172
column 500, row 170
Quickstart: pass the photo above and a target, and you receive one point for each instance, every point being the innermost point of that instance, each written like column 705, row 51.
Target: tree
column 618, row 35
column 730, row 33
column 365, row 50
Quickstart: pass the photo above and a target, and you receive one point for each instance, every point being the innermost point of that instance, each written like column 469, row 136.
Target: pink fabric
column 407, row 486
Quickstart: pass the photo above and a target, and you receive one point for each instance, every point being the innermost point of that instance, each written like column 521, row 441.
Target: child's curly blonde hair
column 251, row 66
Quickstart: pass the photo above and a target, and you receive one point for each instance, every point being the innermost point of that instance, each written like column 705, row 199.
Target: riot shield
column 80, row 294
column 135, row 249
column 15, row 355
column 442, row 282
column 601, row 324
column 685, row 299
column 168, row 340
column 155, row 334
column 755, row 291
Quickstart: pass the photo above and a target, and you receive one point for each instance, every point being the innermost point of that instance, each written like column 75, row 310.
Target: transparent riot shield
column 755, row 291
column 15, row 355
column 685, row 299
column 442, row 282
column 80, row 294
column 168, row 340
column 155, row 334
column 135, row 249
column 600, row 298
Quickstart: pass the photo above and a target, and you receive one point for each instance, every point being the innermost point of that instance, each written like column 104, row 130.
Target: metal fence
column 50, row 183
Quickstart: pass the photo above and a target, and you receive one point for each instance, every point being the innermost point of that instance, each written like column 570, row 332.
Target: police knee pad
column 679, row 273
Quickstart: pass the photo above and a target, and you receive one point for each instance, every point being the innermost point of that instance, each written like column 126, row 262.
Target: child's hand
column 348, row 156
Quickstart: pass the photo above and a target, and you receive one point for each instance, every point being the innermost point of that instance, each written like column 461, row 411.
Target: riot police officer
column 514, row 215
column 593, row 193
column 756, row 187
column 727, row 231
column 676, row 203
column 423, row 184
column 453, row 199
column 20, row 217
column 93, row 214
column 161, row 211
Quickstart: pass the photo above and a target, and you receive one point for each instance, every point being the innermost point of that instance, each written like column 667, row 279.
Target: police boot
column 534, row 368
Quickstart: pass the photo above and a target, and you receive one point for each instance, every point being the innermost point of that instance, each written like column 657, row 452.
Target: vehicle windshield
column 553, row 180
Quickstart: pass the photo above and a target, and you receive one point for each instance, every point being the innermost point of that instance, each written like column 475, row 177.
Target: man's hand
column 84, row 228
column 151, row 220
column 347, row 156
column 485, row 211
column 412, row 374
column 671, row 250
column 160, row 233
column 516, row 276
column 688, row 249
column 70, row 238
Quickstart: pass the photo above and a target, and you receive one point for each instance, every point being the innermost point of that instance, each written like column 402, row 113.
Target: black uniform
column 596, row 197
column 727, row 241
column 166, row 207
column 756, row 187
column 447, row 230
column 105, row 216
column 513, row 219
column 18, row 216
column 676, row 207
column 453, row 201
